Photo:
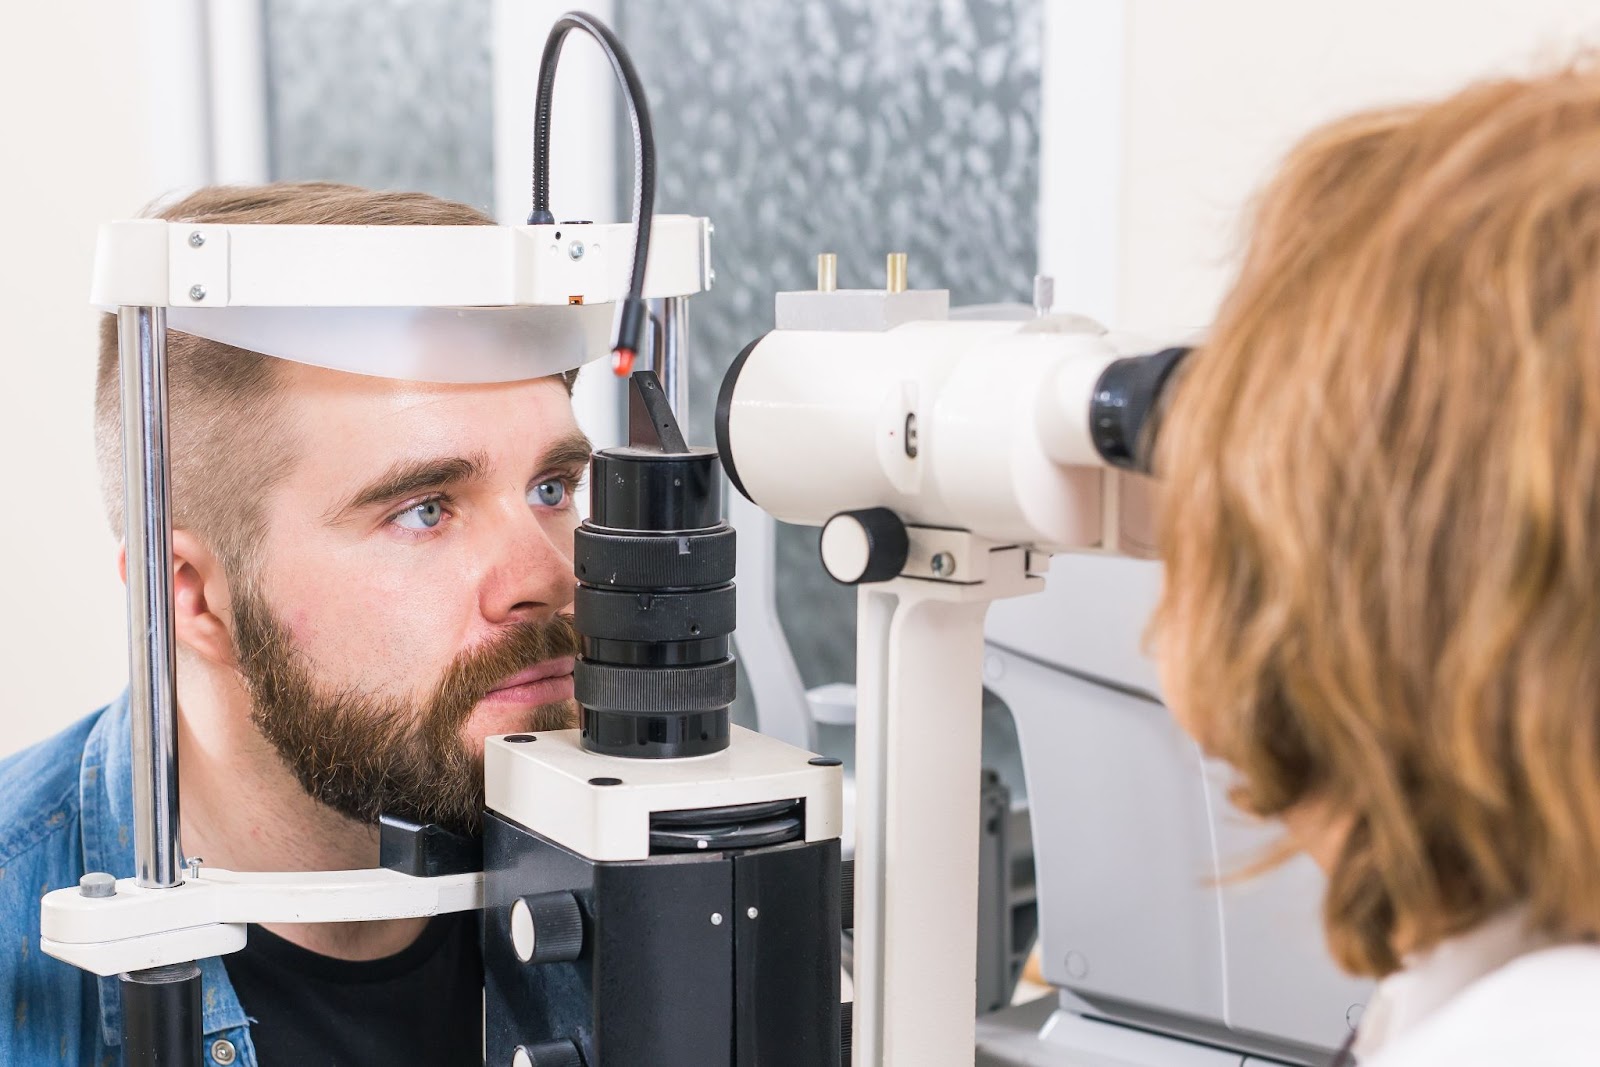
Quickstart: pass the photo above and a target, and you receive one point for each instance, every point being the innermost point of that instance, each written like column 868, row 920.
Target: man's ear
column 201, row 600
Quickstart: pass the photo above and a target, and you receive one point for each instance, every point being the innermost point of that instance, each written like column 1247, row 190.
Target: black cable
column 631, row 319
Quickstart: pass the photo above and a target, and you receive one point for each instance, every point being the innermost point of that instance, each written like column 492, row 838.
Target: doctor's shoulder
column 1540, row 1010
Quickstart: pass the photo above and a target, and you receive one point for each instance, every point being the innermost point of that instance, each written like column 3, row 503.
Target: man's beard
column 365, row 755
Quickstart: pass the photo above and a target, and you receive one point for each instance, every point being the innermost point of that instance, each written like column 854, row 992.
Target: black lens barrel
column 1126, row 406
column 655, row 605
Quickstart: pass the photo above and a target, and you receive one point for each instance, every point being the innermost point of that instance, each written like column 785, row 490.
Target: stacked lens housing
column 655, row 601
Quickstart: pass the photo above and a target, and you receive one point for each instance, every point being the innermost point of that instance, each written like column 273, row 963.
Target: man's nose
column 531, row 576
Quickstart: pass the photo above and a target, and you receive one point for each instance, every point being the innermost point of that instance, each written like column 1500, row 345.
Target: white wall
column 72, row 129
column 1215, row 92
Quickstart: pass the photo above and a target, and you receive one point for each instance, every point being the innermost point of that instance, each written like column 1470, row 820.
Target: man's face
column 415, row 587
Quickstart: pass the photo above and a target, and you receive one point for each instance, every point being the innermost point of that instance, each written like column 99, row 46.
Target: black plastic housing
column 715, row 958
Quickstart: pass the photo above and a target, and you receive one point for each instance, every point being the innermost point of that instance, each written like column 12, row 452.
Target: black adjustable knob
column 865, row 546
column 547, row 928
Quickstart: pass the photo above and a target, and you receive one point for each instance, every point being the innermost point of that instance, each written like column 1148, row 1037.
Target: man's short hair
column 1382, row 516
column 229, row 443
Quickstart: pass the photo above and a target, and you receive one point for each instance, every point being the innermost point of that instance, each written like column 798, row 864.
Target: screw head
column 197, row 292
column 944, row 564
column 575, row 249
column 196, row 239
column 97, row 884
column 752, row 913
column 716, row 918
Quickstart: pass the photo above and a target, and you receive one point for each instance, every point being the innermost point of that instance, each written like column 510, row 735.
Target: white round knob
column 524, row 939
column 546, row 928
column 864, row 546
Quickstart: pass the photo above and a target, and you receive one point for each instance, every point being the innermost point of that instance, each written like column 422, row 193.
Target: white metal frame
column 776, row 687
column 153, row 263
column 205, row 915
column 918, row 760
column 549, row 787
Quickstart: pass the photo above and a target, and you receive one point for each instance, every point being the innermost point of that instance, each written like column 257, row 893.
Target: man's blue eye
column 424, row 516
column 551, row 494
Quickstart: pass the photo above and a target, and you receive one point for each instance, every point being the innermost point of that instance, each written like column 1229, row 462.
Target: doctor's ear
column 201, row 599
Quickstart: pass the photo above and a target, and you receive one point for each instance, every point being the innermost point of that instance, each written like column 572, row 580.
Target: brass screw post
column 827, row 272
column 896, row 272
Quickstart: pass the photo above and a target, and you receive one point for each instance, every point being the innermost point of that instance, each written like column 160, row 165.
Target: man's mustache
column 476, row 673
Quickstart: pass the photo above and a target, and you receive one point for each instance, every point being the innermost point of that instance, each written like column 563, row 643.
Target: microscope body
column 995, row 445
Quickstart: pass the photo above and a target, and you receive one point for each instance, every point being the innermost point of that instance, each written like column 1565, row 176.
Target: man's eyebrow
column 411, row 476
column 572, row 450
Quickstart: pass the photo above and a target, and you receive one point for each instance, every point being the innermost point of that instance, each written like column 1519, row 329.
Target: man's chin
column 491, row 717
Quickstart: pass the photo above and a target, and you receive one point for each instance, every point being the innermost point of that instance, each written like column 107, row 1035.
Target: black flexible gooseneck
column 630, row 321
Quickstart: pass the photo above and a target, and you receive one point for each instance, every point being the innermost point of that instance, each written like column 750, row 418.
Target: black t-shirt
column 422, row 1005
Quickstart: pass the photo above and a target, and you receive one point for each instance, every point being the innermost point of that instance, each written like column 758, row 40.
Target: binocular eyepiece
column 1003, row 429
column 1126, row 407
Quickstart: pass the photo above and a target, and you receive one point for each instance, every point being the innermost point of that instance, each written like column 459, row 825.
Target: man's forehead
column 322, row 384
column 357, row 420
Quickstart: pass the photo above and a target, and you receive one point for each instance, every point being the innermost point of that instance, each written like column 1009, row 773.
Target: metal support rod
column 162, row 1023
column 919, row 665
column 147, row 528
column 780, row 696
column 919, row 691
column 673, row 366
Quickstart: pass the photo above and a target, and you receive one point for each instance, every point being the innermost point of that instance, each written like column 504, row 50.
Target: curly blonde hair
column 1381, row 528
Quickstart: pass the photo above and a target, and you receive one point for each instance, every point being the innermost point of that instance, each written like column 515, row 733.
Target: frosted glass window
column 392, row 95
column 859, row 127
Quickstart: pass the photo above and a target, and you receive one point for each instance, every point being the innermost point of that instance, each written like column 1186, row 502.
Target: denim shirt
column 66, row 808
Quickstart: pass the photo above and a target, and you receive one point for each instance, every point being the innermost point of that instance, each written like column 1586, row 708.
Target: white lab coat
column 1493, row 997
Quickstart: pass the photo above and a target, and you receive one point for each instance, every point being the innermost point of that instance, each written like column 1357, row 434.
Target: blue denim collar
column 105, row 793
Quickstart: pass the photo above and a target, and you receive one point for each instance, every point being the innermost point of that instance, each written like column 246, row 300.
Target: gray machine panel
column 1089, row 620
column 1135, row 841
column 1122, row 841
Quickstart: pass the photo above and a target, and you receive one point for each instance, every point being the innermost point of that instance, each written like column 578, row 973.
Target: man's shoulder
column 39, row 788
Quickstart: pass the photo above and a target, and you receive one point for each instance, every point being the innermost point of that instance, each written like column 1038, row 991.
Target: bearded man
column 370, row 576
